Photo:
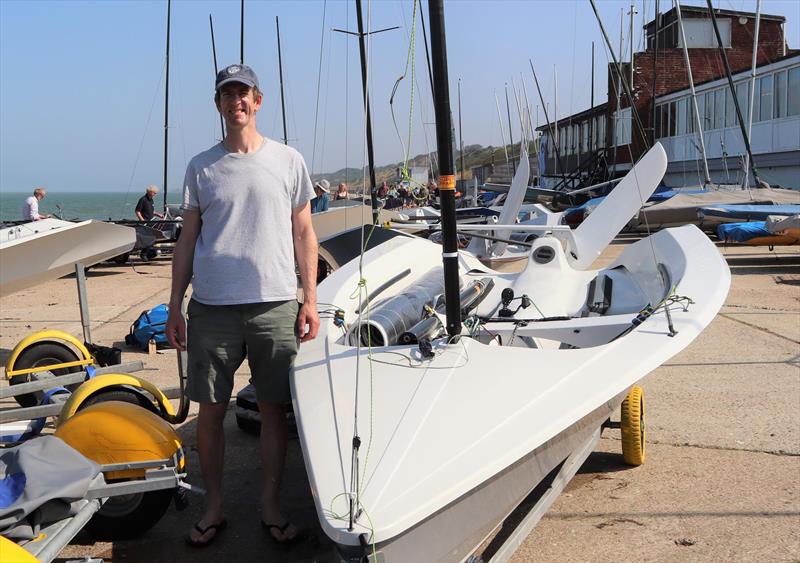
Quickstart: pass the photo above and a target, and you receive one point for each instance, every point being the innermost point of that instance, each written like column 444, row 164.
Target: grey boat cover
column 39, row 481
column 778, row 223
column 682, row 208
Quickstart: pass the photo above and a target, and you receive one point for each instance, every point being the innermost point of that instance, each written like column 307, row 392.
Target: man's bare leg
column 211, row 447
column 273, row 458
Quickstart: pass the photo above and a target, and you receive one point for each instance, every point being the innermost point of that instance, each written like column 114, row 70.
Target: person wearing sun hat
column 320, row 203
column 246, row 220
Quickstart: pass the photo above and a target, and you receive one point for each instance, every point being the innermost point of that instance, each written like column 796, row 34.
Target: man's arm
column 182, row 260
column 305, row 250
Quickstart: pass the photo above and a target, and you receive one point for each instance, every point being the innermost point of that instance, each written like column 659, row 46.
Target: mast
column 447, row 180
column 510, row 138
column 500, row 121
column 619, row 95
column 591, row 120
column 370, row 157
column 553, row 128
column 166, row 111
column 752, row 90
column 460, row 132
column 241, row 33
column 216, row 70
column 632, row 13
column 656, row 21
column 625, row 87
column 745, row 136
column 697, row 120
column 555, row 116
column 280, row 76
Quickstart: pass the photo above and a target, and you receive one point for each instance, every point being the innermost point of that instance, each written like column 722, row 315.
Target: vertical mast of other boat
column 752, row 91
column 510, row 137
column 216, row 69
column 552, row 126
column 370, row 157
column 460, row 132
column 241, row 32
column 280, row 76
column 745, row 136
column 698, row 121
column 656, row 22
column 166, row 110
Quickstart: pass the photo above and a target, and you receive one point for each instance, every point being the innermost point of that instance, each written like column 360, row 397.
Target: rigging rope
column 410, row 61
column 144, row 134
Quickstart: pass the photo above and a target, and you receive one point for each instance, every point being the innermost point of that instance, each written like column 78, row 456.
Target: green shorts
column 220, row 336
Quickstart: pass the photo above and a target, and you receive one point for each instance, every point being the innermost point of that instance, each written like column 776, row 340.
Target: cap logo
column 233, row 69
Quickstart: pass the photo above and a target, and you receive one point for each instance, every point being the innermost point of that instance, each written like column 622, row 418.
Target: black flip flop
column 282, row 529
column 218, row 528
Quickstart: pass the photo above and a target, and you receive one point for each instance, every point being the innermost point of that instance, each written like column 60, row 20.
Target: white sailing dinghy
column 452, row 435
column 421, row 434
column 32, row 253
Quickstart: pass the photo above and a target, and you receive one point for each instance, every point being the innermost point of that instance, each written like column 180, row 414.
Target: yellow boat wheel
column 632, row 427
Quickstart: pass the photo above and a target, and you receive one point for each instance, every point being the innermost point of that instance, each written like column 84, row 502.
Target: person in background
column 30, row 209
column 342, row 192
column 320, row 203
column 145, row 209
column 246, row 220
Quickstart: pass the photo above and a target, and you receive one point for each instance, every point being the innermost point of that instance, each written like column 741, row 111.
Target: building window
column 779, row 101
column 730, row 109
column 585, row 136
column 623, row 126
column 680, row 117
column 743, row 95
column 701, row 111
column 673, row 118
column 793, row 94
column 719, row 109
column 708, row 118
column 576, row 139
column 700, row 33
column 763, row 99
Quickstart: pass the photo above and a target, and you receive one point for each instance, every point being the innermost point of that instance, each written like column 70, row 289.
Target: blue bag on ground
column 151, row 324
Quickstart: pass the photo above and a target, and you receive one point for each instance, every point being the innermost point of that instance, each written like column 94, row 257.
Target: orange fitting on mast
column 447, row 182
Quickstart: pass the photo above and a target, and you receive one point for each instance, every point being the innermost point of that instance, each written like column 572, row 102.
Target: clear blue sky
column 81, row 83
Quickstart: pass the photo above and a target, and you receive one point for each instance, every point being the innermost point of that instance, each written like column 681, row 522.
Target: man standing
column 246, row 219
column 30, row 209
column 145, row 209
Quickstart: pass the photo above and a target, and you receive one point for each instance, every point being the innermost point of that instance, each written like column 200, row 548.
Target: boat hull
column 33, row 253
column 455, row 532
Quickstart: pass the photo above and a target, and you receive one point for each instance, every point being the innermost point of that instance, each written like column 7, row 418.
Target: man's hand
column 307, row 322
column 176, row 329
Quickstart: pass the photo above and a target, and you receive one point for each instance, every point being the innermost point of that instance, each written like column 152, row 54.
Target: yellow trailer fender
column 107, row 381
column 117, row 432
column 14, row 553
column 56, row 336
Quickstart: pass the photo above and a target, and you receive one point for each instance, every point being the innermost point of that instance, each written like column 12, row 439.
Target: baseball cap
column 236, row 73
column 324, row 185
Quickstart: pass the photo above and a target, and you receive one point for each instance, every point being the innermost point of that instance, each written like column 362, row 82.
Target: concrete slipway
column 722, row 476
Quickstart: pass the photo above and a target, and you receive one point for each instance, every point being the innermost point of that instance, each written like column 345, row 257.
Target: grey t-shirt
column 245, row 251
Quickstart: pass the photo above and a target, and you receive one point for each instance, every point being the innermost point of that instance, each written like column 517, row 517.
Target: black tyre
column 120, row 394
column 42, row 355
column 128, row 516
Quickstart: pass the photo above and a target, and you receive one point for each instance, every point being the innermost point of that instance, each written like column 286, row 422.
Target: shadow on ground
column 243, row 540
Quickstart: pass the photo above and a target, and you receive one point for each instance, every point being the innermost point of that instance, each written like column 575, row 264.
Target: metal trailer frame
column 58, row 535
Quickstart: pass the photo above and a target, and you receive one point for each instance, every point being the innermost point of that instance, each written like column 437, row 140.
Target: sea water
column 80, row 205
